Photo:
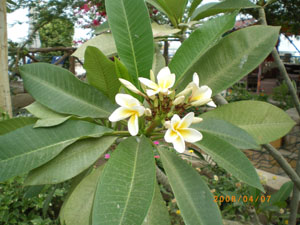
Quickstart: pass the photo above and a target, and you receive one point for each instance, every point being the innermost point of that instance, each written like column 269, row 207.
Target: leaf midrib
column 67, row 94
column 197, row 58
column 131, row 184
column 130, row 38
column 236, row 60
column 188, row 197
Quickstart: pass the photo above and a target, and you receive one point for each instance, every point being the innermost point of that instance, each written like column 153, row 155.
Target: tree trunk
column 5, row 101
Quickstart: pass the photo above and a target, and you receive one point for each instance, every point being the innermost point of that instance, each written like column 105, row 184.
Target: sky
column 18, row 30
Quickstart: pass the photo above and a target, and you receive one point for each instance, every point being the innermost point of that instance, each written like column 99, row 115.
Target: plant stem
column 284, row 164
column 152, row 126
column 118, row 133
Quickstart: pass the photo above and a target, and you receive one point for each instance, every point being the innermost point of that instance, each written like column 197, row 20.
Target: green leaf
column 9, row 125
column 70, row 162
column 126, row 187
column 77, row 209
column 262, row 120
column 187, row 57
column 280, row 196
column 101, row 72
column 194, row 5
column 104, row 42
column 48, row 117
column 33, row 191
column 228, row 132
column 162, row 7
column 245, row 50
column 158, row 62
column 177, row 8
column 158, row 213
column 27, row 148
column 214, row 8
column 193, row 197
column 230, row 158
column 59, row 90
column 131, row 28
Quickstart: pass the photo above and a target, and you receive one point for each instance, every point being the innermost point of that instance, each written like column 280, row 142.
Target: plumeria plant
column 127, row 104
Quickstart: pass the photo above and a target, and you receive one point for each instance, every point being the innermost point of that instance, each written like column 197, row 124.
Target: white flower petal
column 179, row 144
column 151, row 92
column 178, row 100
column 165, row 80
column 120, row 113
column 186, row 91
column 212, row 104
column 201, row 102
column 196, row 79
column 126, row 100
column 139, row 110
column 186, row 121
column 201, row 95
column 190, row 135
column 133, row 125
column 148, row 83
column 170, row 136
column 175, row 122
column 130, row 86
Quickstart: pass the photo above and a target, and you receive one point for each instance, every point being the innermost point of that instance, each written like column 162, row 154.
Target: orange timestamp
column 242, row 198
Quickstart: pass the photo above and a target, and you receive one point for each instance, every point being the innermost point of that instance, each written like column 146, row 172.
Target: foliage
column 78, row 122
column 19, row 205
column 282, row 95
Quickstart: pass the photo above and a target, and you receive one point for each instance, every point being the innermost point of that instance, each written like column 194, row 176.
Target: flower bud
column 167, row 124
column 179, row 100
column 131, row 87
column 155, row 103
column 148, row 112
column 197, row 120
column 186, row 91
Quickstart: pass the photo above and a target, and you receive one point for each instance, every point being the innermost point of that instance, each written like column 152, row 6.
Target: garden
column 172, row 112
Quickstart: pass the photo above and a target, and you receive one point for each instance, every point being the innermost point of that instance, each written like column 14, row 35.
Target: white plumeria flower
column 130, row 107
column 178, row 132
column 165, row 80
column 200, row 95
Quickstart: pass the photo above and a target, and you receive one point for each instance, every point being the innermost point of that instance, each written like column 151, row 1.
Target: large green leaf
column 101, row 72
column 233, row 57
column 9, row 125
column 27, row 148
column 201, row 40
column 162, row 7
column 177, row 8
column 77, row 209
column 47, row 117
column 194, row 5
column 158, row 213
column 104, row 42
column 230, row 158
column 126, row 187
column 131, row 28
column 193, row 197
column 214, row 8
column 262, row 120
column 72, row 161
column 59, row 90
column 228, row 132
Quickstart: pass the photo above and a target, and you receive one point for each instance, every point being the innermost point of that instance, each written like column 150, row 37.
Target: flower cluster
column 163, row 107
